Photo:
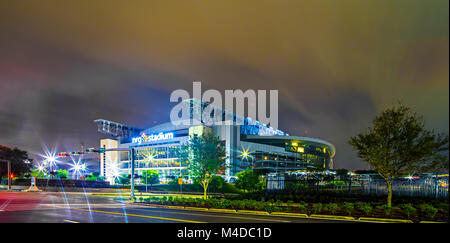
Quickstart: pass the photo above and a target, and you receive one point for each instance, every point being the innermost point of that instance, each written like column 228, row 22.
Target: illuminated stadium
column 251, row 145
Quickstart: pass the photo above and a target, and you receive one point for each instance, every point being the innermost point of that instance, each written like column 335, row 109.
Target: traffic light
column 77, row 153
column 63, row 154
column 11, row 176
column 91, row 150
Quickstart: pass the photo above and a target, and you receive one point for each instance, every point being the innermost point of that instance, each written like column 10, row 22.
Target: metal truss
column 249, row 126
column 116, row 129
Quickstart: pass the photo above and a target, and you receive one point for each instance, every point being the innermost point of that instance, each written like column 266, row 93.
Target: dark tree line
column 17, row 158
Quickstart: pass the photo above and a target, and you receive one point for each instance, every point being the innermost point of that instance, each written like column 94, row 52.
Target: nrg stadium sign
column 152, row 138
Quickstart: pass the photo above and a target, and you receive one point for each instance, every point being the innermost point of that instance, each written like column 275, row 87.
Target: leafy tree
column 63, row 174
column 217, row 184
column 250, row 181
column 124, row 179
column 399, row 144
column 173, row 181
column 205, row 156
column 93, row 176
column 39, row 174
column 17, row 158
column 246, row 180
column 150, row 177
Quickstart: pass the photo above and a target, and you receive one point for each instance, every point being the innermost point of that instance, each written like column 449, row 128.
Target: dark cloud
column 335, row 63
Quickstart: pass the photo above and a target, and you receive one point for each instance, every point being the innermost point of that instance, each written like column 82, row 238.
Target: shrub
column 202, row 202
column 260, row 205
column 190, row 201
column 277, row 209
column 170, row 200
column 241, row 204
column 366, row 208
column 302, row 208
column 235, row 204
column 332, row 207
column 250, row 204
column 212, row 203
column 359, row 204
column 224, row 203
column 317, row 208
column 408, row 209
column 268, row 207
column 178, row 200
column 429, row 210
column 278, row 206
column 348, row 207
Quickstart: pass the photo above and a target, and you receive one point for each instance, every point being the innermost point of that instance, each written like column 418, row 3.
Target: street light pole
column 132, row 173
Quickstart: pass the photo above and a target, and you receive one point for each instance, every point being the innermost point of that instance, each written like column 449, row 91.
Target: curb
column 176, row 207
column 195, row 208
column 253, row 212
column 320, row 216
column 425, row 222
column 297, row 215
column 385, row 220
column 222, row 210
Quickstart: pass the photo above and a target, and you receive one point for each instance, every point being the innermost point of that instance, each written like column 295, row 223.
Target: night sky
column 336, row 64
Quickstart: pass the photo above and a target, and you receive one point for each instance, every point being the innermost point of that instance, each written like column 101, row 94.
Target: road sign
column 180, row 180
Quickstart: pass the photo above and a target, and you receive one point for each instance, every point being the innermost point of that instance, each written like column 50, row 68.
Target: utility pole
column 9, row 175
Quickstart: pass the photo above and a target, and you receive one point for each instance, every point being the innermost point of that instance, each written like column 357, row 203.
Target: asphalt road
column 46, row 207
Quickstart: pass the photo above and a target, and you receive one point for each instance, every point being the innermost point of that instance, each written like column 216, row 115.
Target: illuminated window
column 294, row 144
column 301, row 149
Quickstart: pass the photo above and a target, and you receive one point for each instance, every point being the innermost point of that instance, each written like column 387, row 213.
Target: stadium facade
column 249, row 145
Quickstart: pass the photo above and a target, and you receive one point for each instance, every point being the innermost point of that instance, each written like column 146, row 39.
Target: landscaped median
column 265, row 208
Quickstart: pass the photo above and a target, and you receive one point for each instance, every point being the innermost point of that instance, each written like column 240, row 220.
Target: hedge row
column 361, row 209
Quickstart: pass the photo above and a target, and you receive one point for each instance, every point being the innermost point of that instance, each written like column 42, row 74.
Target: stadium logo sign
column 152, row 138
